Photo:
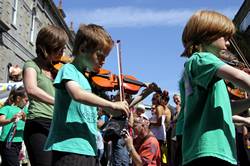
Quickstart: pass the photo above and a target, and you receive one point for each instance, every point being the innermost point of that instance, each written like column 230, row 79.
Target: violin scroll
column 154, row 87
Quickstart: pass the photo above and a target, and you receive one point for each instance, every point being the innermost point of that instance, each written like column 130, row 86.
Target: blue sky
column 150, row 33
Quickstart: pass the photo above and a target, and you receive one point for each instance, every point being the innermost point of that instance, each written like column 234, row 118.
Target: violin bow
column 238, row 50
column 240, row 53
column 121, row 87
column 119, row 58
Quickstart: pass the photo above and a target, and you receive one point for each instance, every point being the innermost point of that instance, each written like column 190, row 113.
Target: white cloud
column 134, row 17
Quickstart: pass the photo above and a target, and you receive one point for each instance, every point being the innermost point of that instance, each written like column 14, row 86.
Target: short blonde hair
column 205, row 27
column 92, row 37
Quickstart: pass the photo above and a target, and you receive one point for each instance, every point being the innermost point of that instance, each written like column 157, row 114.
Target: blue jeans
column 120, row 156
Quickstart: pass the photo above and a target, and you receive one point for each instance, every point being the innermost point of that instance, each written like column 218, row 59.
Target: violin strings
column 237, row 50
column 236, row 47
column 241, row 54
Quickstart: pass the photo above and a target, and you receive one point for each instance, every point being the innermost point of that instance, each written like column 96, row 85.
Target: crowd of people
column 63, row 121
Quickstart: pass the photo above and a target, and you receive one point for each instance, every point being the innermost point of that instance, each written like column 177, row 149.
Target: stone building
column 242, row 37
column 20, row 21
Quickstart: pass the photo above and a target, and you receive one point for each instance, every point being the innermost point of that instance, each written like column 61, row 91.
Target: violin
column 235, row 93
column 245, row 67
column 64, row 59
column 107, row 81
column 56, row 65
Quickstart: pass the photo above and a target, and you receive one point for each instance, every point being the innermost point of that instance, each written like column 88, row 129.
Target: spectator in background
column 139, row 110
column 174, row 153
column 160, row 121
column 149, row 151
column 12, row 137
column 15, row 73
column 104, row 148
column 242, row 125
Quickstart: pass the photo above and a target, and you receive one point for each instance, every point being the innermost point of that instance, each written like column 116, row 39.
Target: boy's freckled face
column 98, row 59
column 90, row 61
column 218, row 45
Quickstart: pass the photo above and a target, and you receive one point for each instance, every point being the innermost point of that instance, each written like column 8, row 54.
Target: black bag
column 112, row 130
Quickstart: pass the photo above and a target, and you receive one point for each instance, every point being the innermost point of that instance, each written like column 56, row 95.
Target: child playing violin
column 208, row 130
column 38, row 82
column 72, row 137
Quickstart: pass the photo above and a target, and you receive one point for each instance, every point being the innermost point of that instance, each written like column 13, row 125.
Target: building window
column 14, row 11
column 32, row 25
column 245, row 24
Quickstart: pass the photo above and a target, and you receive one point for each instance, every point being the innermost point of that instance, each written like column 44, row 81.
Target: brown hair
column 205, row 27
column 50, row 39
column 92, row 38
column 14, row 93
column 161, row 98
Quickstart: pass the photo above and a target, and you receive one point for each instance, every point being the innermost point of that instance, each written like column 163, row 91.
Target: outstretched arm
column 4, row 121
column 239, row 78
column 240, row 120
column 88, row 98
column 145, row 93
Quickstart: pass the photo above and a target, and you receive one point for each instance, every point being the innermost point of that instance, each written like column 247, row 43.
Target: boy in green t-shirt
column 206, row 116
column 72, row 136
column 12, row 132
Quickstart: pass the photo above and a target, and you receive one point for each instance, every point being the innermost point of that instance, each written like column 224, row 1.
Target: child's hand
column 14, row 118
column 22, row 116
column 127, row 138
column 121, row 106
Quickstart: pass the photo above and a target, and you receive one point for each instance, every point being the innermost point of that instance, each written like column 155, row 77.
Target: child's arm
column 30, row 84
column 131, row 119
column 4, row 121
column 147, row 91
column 159, row 113
column 241, row 79
column 88, row 98
column 239, row 120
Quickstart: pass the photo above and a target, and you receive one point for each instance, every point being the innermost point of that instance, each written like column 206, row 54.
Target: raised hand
column 121, row 106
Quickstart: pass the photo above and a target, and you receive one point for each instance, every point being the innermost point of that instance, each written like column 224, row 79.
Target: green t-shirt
column 74, row 125
column 208, row 129
column 9, row 112
column 37, row 108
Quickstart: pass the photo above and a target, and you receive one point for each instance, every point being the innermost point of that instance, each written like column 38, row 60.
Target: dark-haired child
column 13, row 113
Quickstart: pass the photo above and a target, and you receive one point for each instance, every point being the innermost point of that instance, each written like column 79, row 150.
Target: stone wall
column 16, row 42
